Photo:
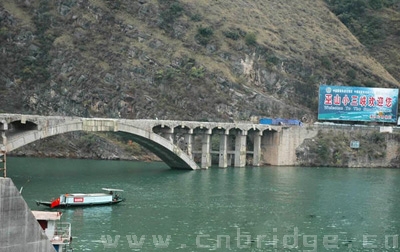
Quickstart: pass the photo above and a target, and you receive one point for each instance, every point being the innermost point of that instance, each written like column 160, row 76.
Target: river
column 233, row 209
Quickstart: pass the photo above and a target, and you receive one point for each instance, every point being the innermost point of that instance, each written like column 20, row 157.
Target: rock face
column 176, row 59
column 332, row 147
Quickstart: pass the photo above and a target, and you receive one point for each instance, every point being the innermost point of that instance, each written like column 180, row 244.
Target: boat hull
column 84, row 199
column 76, row 204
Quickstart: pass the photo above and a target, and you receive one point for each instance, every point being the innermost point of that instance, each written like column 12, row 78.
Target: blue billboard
column 344, row 103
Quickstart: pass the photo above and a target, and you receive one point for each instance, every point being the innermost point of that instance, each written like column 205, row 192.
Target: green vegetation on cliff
column 376, row 23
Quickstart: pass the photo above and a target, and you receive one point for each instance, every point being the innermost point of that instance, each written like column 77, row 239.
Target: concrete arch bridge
column 180, row 144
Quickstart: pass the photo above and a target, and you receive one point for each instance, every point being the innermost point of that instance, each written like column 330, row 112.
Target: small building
column 58, row 233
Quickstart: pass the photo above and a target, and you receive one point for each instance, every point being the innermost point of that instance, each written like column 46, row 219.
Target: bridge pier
column 223, row 151
column 240, row 149
column 205, row 150
column 4, row 125
column 257, row 149
column 189, row 143
column 169, row 135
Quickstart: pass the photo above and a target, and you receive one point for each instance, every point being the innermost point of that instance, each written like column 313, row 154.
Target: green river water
column 233, row 209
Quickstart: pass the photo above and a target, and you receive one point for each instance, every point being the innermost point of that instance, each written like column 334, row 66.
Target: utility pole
column 3, row 154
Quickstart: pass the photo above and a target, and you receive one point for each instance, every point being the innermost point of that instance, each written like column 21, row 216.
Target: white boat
column 85, row 199
column 58, row 233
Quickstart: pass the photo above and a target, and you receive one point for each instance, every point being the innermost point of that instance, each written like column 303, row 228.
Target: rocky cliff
column 218, row 60
column 331, row 147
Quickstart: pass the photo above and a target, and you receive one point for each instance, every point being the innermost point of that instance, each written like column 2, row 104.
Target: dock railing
column 62, row 233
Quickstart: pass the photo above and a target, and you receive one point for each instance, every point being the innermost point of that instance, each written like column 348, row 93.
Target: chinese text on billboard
column 357, row 103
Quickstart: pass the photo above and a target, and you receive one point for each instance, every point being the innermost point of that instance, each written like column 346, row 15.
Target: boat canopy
column 43, row 215
column 112, row 190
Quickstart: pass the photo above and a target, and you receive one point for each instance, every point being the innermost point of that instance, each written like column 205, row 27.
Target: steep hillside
column 183, row 59
column 376, row 23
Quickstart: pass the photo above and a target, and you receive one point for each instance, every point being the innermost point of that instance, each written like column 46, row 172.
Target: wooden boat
column 84, row 199
column 58, row 233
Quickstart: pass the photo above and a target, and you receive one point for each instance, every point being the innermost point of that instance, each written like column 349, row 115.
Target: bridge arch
column 173, row 156
column 178, row 143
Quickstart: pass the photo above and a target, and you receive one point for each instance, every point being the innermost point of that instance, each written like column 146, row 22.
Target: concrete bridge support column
column 223, row 151
column 240, row 149
column 169, row 135
column 205, row 150
column 189, row 143
column 257, row 149
column 4, row 125
column 230, row 151
column 3, row 136
column 230, row 158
